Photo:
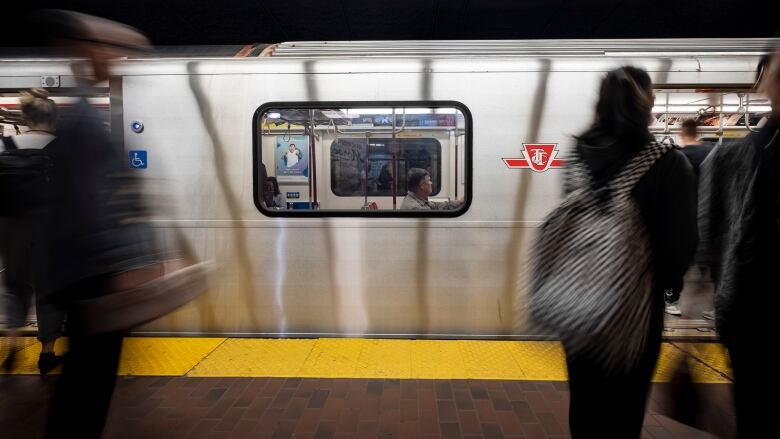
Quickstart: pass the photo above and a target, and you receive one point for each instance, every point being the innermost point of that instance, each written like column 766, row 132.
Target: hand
column 269, row 50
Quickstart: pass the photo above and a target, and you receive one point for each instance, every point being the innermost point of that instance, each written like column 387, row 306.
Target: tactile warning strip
column 164, row 356
column 373, row 358
column 26, row 362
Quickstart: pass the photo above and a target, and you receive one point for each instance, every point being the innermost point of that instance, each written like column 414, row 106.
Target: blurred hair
column 59, row 27
column 690, row 129
column 37, row 108
column 273, row 181
column 623, row 109
column 414, row 177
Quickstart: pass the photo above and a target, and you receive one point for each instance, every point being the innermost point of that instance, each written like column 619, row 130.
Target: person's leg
column 585, row 398
column 608, row 406
column 16, row 302
column 18, row 290
column 50, row 320
column 611, row 405
column 83, row 395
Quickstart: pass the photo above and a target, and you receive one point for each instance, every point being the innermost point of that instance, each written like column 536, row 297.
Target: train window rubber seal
column 356, row 213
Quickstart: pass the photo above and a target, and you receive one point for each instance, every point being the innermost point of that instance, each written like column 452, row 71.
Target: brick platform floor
column 176, row 407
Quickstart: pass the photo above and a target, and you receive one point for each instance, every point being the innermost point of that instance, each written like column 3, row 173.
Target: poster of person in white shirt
column 292, row 159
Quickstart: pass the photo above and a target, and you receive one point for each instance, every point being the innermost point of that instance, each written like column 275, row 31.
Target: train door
column 719, row 114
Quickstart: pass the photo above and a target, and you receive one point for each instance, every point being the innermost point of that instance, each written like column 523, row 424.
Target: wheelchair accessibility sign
column 137, row 159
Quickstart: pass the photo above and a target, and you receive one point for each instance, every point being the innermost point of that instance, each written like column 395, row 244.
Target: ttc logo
column 538, row 156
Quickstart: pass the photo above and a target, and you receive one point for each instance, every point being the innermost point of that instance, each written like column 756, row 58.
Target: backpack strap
column 9, row 143
column 622, row 185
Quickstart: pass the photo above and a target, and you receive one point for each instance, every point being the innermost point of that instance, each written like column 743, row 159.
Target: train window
column 362, row 159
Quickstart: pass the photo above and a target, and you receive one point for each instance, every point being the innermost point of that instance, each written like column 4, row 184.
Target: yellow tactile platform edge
column 372, row 358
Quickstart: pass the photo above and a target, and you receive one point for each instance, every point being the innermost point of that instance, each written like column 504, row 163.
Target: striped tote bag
column 591, row 271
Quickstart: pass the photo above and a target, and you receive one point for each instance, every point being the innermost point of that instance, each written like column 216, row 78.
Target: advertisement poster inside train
column 292, row 159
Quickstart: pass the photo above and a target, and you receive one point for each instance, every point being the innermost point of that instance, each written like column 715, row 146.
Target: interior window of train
column 363, row 159
column 720, row 113
column 386, row 161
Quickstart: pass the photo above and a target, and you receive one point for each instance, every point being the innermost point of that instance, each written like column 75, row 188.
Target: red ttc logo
column 538, row 157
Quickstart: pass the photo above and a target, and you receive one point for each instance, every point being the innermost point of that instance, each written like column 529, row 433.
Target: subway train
column 339, row 125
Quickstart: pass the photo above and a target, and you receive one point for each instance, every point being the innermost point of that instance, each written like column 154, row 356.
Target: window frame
column 329, row 213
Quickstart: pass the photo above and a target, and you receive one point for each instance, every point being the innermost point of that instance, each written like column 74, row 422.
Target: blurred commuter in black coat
column 94, row 231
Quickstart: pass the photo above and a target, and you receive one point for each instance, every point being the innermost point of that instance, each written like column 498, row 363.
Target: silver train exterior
column 358, row 276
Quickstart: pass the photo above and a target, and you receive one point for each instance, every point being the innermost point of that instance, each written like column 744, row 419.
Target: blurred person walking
column 94, row 229
column 739, row 221
column 625, row 232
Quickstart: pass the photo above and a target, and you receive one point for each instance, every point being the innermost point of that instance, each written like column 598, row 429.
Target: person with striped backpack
column 625, row 232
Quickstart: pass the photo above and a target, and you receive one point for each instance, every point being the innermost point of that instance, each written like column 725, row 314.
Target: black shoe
column 47, row 361
column 10, row 360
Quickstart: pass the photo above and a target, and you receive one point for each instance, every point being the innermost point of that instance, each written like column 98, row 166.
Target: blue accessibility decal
column 137, row 159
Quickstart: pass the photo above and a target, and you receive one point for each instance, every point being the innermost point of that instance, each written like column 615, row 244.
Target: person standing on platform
column 739, row 223
column 22, row 241
column 95, row 230
column 618, row 177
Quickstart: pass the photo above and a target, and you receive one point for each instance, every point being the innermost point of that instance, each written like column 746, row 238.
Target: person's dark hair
column 37, row 107
column 623, row 110
column 690, row 129
column 414, row 177
column 276, row 185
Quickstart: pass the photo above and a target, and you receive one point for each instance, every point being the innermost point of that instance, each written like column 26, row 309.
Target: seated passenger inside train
column 276, row 199
column 420, row 187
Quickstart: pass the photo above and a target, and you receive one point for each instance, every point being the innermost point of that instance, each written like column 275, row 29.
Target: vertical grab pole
column 365, row 176
column 312, row 157
column 666, row 116
column 720, row 122
column 311, row 191
column 393, row 166
column 456, row 159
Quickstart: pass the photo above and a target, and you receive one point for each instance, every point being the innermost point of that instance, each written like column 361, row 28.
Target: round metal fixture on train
column 137, row 126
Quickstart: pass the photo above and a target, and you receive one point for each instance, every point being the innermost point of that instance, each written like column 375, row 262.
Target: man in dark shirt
column 695, row 152
column 692, row 148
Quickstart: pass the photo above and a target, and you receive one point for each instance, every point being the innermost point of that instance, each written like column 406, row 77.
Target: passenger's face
column 770, row 83
column 426, row 186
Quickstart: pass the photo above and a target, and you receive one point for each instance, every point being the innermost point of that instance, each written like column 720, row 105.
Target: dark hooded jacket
column 739, row 220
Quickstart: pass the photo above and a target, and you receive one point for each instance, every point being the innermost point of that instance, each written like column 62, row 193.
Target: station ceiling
column 223, row 22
